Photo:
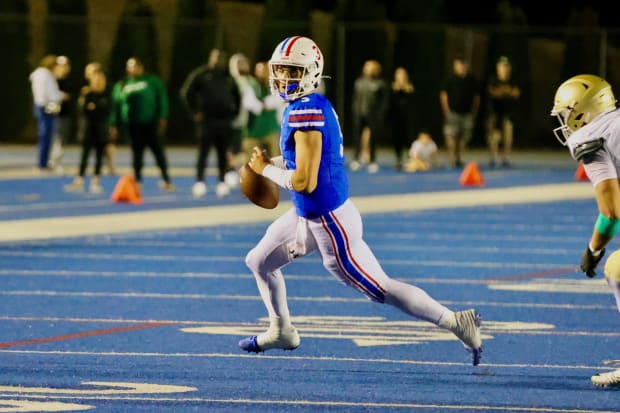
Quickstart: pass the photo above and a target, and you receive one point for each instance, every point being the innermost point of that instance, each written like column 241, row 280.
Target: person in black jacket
column 401, row 113
column 212, row 97
column 94, row 105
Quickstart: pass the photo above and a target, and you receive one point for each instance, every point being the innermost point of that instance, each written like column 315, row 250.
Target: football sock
column 416, row 302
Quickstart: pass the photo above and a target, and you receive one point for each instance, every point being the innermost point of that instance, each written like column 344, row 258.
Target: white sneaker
column 221, row 190
column 609, row 379
column 232, row 179
column 95, row 189
column 75, row 186
column 373, row 168
column 355, row 166
column 167, row 186
column 199, row 189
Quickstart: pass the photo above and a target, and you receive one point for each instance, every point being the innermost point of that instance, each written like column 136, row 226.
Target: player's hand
column 589, row 261
column 259, row 160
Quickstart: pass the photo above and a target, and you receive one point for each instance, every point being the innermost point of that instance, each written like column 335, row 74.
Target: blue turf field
column 148, row 320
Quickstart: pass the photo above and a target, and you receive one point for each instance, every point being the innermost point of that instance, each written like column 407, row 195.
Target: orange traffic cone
column 580, row 173
column 126, row 190
column 471, row 175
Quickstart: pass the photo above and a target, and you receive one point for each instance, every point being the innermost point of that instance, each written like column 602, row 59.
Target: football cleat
column 467, row 329
column 609, row 379
column 250, row 345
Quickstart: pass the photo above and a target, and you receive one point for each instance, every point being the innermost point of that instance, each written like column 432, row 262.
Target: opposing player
column 590, row 127
column 323, row 218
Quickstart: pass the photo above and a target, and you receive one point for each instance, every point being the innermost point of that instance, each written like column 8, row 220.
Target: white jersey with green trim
column 605, row 162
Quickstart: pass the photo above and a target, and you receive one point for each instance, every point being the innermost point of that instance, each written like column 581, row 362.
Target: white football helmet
column 295, row 68
column 578, row 101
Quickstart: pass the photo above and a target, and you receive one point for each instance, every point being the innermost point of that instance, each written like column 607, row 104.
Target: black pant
column 359, row 123
column 213, row 132
column 402, row 136
column 95, row 136
column 144, row 135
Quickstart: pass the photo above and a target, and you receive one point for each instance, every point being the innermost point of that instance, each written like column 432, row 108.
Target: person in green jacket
column 140, row 106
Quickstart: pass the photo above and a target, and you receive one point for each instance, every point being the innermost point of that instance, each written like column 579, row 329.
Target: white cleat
column 287, row 339
column 467, row 329
column 609, row 379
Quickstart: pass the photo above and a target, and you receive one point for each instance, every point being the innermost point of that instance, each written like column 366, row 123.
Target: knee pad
column 612, row 266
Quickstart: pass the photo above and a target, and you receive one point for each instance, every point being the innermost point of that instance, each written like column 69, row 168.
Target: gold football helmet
column 578, row 101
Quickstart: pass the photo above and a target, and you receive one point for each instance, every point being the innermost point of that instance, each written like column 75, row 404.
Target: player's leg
column 265, row 260
column 612, row 275
column 346, row 255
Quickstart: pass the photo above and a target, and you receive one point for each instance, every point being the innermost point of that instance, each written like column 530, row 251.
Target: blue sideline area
column 149, row 320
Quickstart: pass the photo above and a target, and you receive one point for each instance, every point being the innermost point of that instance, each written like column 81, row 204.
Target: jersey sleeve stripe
column 304, row 111
column 306, row 124
column 297, row 118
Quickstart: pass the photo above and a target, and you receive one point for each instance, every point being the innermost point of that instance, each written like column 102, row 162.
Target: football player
column 323, row 219
column 590, row 127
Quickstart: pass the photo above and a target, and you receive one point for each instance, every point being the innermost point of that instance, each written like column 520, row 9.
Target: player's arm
column 607, row 194
column 307, row 159
column 308, row 147
column 608, row 201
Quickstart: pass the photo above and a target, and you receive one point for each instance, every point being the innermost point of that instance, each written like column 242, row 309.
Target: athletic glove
column 589, row 261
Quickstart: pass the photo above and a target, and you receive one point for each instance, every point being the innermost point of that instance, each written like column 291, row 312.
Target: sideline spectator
column 370, row 100
column 264, row 124
column 460, row 100
column 63, row 128
column 239, row 68
column 423, row 153
column 211, row 96
column 503, row 95
column 110, row 147
column 401, row 113
column 140, row 104
column 46, row 98
column 94, row 106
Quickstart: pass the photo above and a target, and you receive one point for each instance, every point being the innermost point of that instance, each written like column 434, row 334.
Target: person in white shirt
column 423, row 154
column 46, row 98
column 585, row 107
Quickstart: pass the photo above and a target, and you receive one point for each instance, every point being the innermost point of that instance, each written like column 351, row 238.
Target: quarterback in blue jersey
column 323, row 219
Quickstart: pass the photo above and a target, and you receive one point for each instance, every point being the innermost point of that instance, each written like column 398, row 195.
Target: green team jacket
column 142, row 99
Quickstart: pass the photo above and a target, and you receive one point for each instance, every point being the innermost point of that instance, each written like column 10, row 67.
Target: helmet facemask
column 563, row 131
column 291, row 81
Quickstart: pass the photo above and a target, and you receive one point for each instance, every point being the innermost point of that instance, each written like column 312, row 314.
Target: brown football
column 258, row 189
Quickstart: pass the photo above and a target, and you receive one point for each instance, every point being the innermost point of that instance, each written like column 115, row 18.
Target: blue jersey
column 315, row 112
